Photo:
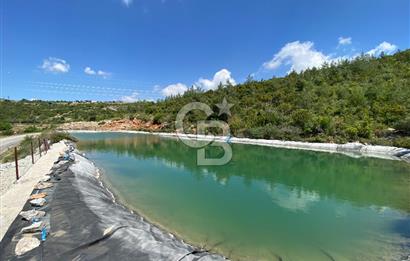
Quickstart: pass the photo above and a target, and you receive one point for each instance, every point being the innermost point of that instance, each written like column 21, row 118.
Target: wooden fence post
column 45, row 145
column 17, row 162
column 39, row 146
column 32, row 152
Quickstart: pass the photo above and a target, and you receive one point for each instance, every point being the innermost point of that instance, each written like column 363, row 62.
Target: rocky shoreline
column 83, row 221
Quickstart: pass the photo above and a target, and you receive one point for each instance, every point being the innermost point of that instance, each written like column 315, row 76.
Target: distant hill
column 367, row 99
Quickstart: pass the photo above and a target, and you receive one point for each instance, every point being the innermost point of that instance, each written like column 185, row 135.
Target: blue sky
column 147, row 49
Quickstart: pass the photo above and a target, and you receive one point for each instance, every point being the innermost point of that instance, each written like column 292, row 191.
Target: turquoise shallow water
column 267, row 203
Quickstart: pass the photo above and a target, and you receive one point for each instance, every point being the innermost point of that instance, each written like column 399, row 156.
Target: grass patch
column 24, row 149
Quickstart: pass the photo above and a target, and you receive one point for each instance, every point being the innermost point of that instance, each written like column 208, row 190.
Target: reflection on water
column 293, row 199
column 266, row 202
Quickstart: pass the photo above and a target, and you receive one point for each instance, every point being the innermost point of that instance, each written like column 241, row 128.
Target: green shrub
column 325, row 123
column 403, row 125
column 364, row 131
column 304, row 119
column 6, row 128
column 7, row 132
column 257, row 133
column 289, row 133
column 31, row 129
column 157, row 119
column 403, row 142
column 92, row 117
column 352, row 132
column 382, row 141
column 274, row 132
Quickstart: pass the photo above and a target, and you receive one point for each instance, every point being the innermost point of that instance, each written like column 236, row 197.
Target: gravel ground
column 17, row 193
column 8, row 172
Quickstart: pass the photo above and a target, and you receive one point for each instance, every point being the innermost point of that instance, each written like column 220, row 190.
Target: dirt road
column 11, row 141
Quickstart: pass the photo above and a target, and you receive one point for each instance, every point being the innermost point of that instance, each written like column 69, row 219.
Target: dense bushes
column 6, row 128
column 403, row 125
column 272, row 132
column 31, row 129
column 403, row 142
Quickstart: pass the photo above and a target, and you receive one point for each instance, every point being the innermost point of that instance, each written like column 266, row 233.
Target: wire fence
column 20, row 160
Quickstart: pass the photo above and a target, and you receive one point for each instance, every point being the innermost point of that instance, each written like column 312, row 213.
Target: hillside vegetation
column 366, row 99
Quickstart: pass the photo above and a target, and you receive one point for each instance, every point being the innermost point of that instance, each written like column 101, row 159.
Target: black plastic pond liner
column 75, row 231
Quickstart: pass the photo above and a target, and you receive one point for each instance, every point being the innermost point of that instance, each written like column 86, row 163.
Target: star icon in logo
column 224, row 107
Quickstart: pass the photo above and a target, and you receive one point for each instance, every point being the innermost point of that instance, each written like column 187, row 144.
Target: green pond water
column 267, row 203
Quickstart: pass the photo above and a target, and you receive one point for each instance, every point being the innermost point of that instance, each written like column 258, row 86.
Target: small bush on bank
column 31, row 129
column 381, row 141
column 403, row 125
column 56, row 136
column 403, row 142
column 6, row 128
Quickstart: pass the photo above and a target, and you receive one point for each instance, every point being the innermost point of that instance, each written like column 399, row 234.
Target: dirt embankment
column 112, row 125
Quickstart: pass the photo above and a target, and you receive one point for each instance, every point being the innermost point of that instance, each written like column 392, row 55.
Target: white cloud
column 131, row 98
column 127, row 2
column 385, row 47
column 103, row 74
column 89, row 71
column 221, row 77
column 174, row 89
column 300, row 55
column 55, row 65
column 345, row 40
